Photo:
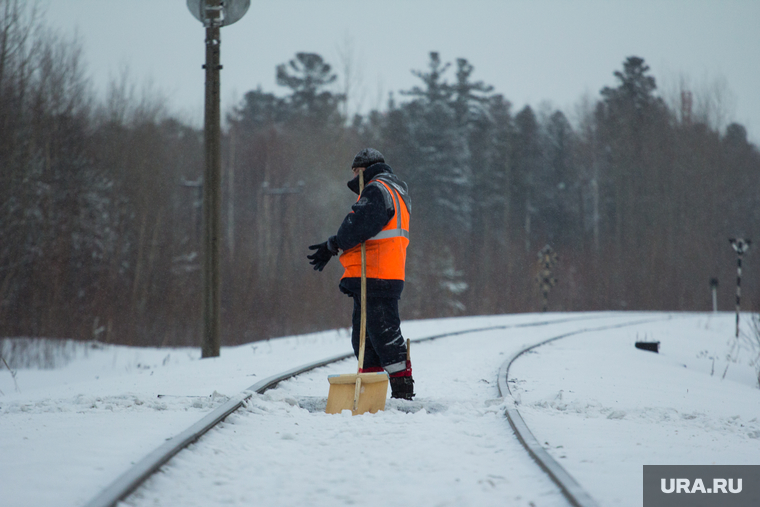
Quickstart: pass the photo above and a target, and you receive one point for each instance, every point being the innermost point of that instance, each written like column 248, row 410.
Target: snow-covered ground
column 600, row 406
column 603, row 408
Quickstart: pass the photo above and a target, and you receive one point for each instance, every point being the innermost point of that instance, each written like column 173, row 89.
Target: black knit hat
column 367, row 157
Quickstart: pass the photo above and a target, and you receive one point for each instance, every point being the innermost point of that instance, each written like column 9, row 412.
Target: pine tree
column 558, row 200
column 470, row 98
column 526, row 165
column 308, row 76
column 631, row 121
column 439, row 180
column 259, row 110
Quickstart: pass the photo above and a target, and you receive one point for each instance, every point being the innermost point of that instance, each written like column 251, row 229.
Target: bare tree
column 352, row 81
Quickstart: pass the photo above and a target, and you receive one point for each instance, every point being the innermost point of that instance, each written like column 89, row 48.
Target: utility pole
column 214, row 14
column 212, row 194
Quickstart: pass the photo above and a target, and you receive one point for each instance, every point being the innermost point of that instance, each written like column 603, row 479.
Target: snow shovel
column 358, row 392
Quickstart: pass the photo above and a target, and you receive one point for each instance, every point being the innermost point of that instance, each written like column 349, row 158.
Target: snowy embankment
column 602, row 407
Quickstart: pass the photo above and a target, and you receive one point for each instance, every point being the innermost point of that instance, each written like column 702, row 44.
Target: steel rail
column 143, row 469
column 573, row 492
column 130, row 480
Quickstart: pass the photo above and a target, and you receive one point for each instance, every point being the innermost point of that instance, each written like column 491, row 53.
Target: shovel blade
column 372, row 393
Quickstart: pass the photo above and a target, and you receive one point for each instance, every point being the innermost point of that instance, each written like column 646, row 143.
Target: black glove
column 323, row 254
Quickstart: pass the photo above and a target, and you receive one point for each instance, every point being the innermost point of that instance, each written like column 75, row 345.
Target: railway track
column 575, row 495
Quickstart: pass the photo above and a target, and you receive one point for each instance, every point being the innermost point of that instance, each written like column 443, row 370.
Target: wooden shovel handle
column 363, row 320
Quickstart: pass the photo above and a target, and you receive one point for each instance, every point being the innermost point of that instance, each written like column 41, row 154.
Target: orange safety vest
column 386, row 251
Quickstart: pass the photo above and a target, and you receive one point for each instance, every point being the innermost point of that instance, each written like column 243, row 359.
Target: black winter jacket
column 370, row 214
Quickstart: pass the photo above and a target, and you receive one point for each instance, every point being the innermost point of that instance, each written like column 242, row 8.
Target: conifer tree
column 439, row 179
column 557, row 201
column 526, row 164
column 470, row 98
column 259, row 110
column 308, row 76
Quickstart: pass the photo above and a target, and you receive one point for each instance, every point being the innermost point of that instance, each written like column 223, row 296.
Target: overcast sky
column 531, row 51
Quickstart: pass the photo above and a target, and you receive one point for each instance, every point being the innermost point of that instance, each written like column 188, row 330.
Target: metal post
column 212, row 188
column 547, row 259
column 738, row 290
column 714, row 290
column 741, row 246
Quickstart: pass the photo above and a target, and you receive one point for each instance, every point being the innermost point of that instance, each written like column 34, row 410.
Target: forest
column 100, row 207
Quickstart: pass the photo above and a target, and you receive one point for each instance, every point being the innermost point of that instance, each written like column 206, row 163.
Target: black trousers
column 384, row 345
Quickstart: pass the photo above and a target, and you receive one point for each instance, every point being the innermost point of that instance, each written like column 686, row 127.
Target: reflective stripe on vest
column 386, row 251
column 399, row 230
column 393, row 233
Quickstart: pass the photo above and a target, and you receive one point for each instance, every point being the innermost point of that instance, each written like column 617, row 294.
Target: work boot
column 402, row 388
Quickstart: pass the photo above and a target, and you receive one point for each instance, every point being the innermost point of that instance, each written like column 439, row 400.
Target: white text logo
column 685, row 486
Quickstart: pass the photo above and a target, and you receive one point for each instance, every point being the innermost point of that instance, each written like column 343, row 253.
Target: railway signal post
column 741, row 246
column 547, row 260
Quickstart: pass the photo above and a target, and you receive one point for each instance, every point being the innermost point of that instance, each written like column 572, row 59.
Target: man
column 380, row 217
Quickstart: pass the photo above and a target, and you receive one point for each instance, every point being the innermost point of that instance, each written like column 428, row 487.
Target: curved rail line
column 128, row 482
column 570, row 488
